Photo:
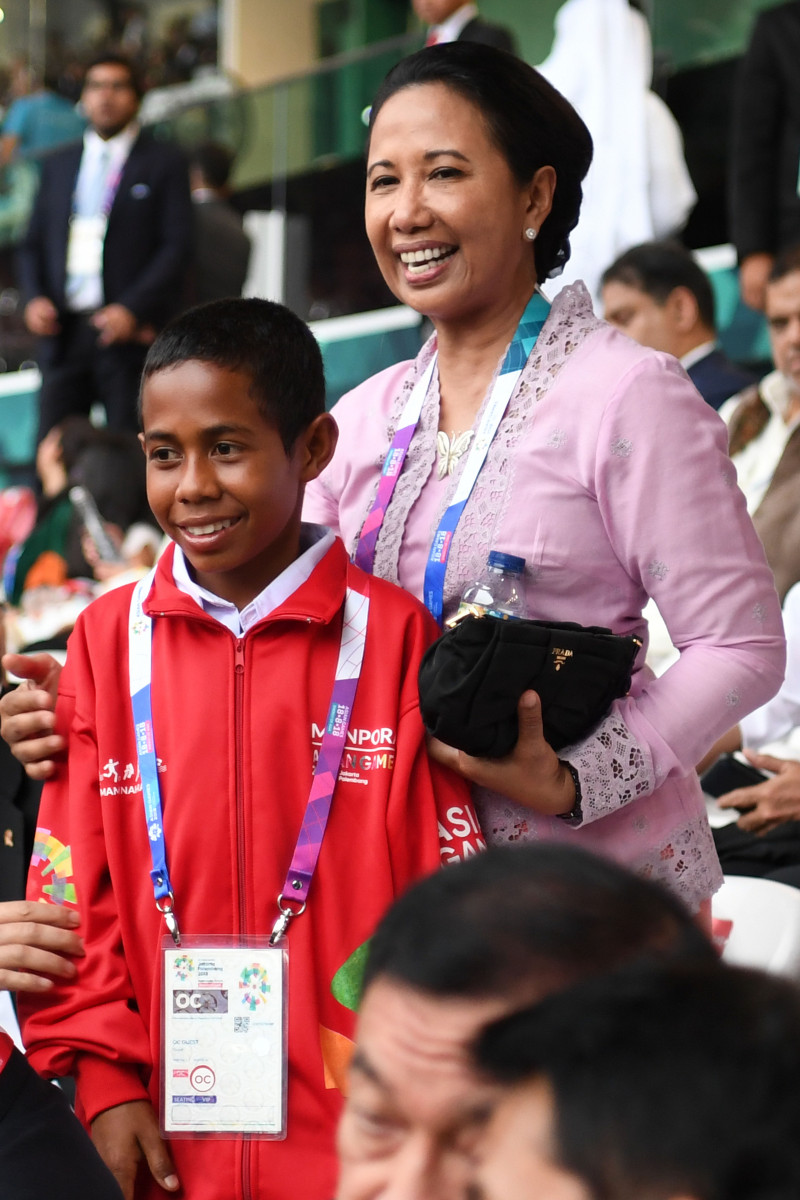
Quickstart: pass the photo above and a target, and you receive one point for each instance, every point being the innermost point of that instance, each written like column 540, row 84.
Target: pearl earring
column 530, row 233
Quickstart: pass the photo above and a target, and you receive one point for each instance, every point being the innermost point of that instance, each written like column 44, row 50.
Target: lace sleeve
column 613, row 768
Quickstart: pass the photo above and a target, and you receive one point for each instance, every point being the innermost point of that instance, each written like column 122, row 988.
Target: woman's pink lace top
column 610, row 476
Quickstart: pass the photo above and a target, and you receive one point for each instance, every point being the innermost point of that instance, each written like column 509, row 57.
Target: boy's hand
column 27, row 717
column 531, row 774
column 126, row 1134
column 37, row 941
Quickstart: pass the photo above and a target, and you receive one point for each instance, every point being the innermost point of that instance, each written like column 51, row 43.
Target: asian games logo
column 254, row 986
column 183, row 967
column 338, row 719
column 144, row 737
column 394, row 461
column 441, row 544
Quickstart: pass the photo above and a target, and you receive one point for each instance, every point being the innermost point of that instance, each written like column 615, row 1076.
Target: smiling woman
column 598, row 469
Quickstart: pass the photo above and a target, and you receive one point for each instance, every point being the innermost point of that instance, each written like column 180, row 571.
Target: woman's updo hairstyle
column 530, row 123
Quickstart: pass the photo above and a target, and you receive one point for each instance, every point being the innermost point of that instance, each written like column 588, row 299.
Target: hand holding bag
column 471, row 679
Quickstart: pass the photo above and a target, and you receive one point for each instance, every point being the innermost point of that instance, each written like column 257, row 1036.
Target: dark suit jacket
column 221, row 252
column 477, row 30
column 717, row 378
column 19, row 806
column 765, row 207
column 148, row 239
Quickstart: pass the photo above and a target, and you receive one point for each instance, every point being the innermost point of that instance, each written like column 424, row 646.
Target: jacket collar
column 318, row 599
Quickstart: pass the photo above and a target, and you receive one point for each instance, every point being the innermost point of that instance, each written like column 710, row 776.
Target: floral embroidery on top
column 557, row 439
column 658, row 569
column 621, row 447
column 612, row 766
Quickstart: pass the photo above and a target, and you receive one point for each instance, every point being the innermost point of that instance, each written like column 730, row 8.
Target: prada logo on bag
column 561, row 656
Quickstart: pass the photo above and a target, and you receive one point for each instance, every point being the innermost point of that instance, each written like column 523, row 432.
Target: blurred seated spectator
column 221, row 248
column 37, row 119
column 765, row 839
column 661, row 1083
column 764, row 429
column 660, row 297
column 110, row 466
column 44, row 550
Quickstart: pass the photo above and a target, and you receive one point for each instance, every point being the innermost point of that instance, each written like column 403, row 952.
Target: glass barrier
column 299, row 142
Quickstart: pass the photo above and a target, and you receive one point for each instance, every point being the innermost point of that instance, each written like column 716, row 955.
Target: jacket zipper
column 238, row 727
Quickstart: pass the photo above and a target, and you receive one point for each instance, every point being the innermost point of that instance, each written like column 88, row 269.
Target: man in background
column 660, row 297
column 453, row 21
column 221, row 250
column 665, row 1083
column 463, row 948
column 765, row 207
column 102, row 265
column 764, row 429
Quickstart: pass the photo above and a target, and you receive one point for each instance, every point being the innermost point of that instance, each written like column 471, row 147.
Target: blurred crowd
column 536, row 1022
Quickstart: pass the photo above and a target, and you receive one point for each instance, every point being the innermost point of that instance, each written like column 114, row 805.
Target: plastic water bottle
column 500, row 592
column 83, row 502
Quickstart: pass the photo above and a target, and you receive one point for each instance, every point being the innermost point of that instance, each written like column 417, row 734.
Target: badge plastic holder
column 224, row 1038
column 85, row 245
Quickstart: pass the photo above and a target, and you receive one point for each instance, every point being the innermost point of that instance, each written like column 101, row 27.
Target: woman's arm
column 677, row 523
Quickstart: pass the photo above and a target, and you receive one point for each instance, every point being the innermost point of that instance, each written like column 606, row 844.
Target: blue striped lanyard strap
column 140, row 644
column 524, row 340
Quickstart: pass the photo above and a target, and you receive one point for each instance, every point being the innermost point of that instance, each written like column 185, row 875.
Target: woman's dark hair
column 530, row 123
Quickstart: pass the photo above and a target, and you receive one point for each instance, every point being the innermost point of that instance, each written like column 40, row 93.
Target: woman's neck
column 468, row 357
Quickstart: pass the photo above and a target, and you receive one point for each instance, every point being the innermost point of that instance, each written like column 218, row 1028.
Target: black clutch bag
column 471, row 679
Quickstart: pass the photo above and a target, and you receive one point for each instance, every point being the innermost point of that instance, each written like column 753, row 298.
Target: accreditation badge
column 224, row 1038
column 85, row 245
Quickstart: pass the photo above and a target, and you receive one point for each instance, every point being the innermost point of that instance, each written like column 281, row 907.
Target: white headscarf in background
column 638, row 186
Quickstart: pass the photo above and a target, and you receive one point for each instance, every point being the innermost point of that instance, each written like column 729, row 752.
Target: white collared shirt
column 756, row 463
column 699, row 352
column 449, row 30
column 84, row 290
column 315, row 542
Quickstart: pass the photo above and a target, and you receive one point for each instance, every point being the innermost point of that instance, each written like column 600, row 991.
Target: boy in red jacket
column 197, row 707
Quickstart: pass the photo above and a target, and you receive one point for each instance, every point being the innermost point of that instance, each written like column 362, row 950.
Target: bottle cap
column 506, row 562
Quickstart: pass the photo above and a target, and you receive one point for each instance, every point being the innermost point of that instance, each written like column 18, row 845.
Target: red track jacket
column 237, row 725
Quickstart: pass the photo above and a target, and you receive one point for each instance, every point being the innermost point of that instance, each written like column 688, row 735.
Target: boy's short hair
column 262, row 339
column 667, row 1080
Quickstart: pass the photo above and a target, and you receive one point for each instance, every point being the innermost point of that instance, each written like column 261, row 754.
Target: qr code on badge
column 241, row 1024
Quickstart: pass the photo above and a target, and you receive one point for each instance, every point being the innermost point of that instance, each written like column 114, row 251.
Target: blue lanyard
column 326, row 772
column 140, row 642
column 527, row 333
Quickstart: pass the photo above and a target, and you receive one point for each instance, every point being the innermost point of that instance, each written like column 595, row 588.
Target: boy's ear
column 140, row 436
column 318, row 442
